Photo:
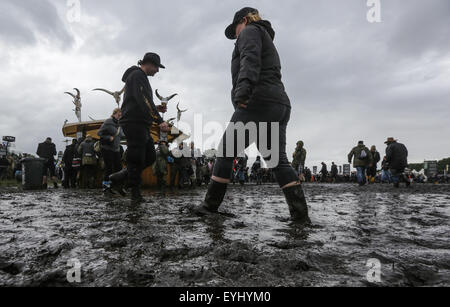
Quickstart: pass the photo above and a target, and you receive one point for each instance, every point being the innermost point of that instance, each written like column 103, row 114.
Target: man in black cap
column 138, row 114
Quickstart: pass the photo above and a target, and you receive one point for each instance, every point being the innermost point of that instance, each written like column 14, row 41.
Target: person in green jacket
column 160, row 167
column 299, row 159
column 362, row 159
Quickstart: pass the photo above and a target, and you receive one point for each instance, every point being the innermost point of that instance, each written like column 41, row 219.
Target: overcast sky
column 348, row 79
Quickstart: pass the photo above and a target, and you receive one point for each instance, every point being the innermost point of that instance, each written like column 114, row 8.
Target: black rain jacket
column 397, row 156
column 138, row 106
column 46, row 151
column 256, row 67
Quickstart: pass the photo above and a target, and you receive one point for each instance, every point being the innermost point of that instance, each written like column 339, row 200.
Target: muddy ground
column 160, row 244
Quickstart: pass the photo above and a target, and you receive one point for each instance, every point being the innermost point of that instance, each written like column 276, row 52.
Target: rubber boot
column 295, row 197
column 213, row 199
column 136, row 197
column 117, row 181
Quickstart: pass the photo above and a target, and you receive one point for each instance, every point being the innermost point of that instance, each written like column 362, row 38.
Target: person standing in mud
column 47, row 151
column 138, row 114
column 258, row 96
column 111, row 134
column 88, row 163
column 362, row 159
column 372, row 170
column 397, row 161
column 334, row 172
column 70, row 173
column 324, row 172
column 160, row 167
column 299, row 160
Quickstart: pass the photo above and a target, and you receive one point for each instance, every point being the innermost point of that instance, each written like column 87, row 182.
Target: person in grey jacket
column 110, row 135
column 258, row 96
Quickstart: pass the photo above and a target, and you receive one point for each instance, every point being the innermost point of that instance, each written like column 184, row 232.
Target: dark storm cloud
column 23, row 22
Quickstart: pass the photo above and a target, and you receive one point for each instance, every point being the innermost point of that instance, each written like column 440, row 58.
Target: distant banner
column 10, row 139
column 346, row 169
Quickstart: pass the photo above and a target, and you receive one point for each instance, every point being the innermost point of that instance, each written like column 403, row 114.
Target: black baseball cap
column 230, row 31
column 153, row 58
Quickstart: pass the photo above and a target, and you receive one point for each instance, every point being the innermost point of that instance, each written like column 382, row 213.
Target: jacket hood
column 128, row 72
column 268, row 26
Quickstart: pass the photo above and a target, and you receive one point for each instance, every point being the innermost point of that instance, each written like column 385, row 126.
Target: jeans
column 141, row 151
column 258, row 113
column 386, row 176
column 396, row 175
column 361, row 174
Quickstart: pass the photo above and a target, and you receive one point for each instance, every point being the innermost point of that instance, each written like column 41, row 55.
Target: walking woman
column 110, row 136
column 258, row 96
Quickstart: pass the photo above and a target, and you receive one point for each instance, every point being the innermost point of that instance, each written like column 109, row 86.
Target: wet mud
column 253, row 244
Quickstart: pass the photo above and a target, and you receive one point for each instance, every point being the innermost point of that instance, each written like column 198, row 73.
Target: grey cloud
column 22, row 22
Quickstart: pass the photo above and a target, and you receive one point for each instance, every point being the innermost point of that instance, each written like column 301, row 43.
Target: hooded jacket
column 110, row 129
column 256, row 67
column 397, row 156
column 138, row 106
column 356, row 154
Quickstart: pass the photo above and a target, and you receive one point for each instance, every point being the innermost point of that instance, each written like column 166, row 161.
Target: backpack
column 97, row 147
column 363, row 155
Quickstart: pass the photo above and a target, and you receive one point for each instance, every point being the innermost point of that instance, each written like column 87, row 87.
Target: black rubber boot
column 117, row 181
column 136, row 197
column 295, row 197
column 213, row 199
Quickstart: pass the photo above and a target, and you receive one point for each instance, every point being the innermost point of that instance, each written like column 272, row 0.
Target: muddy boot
column 295, row 197
column 213, row 199
column 117, row 181
column 136, row 197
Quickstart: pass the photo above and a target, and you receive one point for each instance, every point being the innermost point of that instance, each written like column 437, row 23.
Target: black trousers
column 113, row 163
column 70, row 177
column 141, row 151
column 259, row 113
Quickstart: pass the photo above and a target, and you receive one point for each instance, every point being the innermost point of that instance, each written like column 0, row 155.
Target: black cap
column 152, row 58
column 230, row 31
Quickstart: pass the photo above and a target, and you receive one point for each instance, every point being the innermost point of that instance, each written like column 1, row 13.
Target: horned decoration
column 116, row 95
column 76, row 102
column 179, row 112
column 165, row 101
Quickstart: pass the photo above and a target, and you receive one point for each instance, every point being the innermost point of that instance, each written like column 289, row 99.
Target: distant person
column 362, row 159
column 299, row 159
column 110, row 135
column 257, row 170
column 372, row 170
column 324, row 172
column 385, row 174
column 70, row 173
column 47, row 151
column 397, row 161
column 88, row 162
column 334, row 172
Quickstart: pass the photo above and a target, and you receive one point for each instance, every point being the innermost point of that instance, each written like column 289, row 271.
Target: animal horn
column 178, row 108
column 73, row 96
column 122, row 91
column 171, row 97
column 103, row 90
column 159, row 96
column 78, row 92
